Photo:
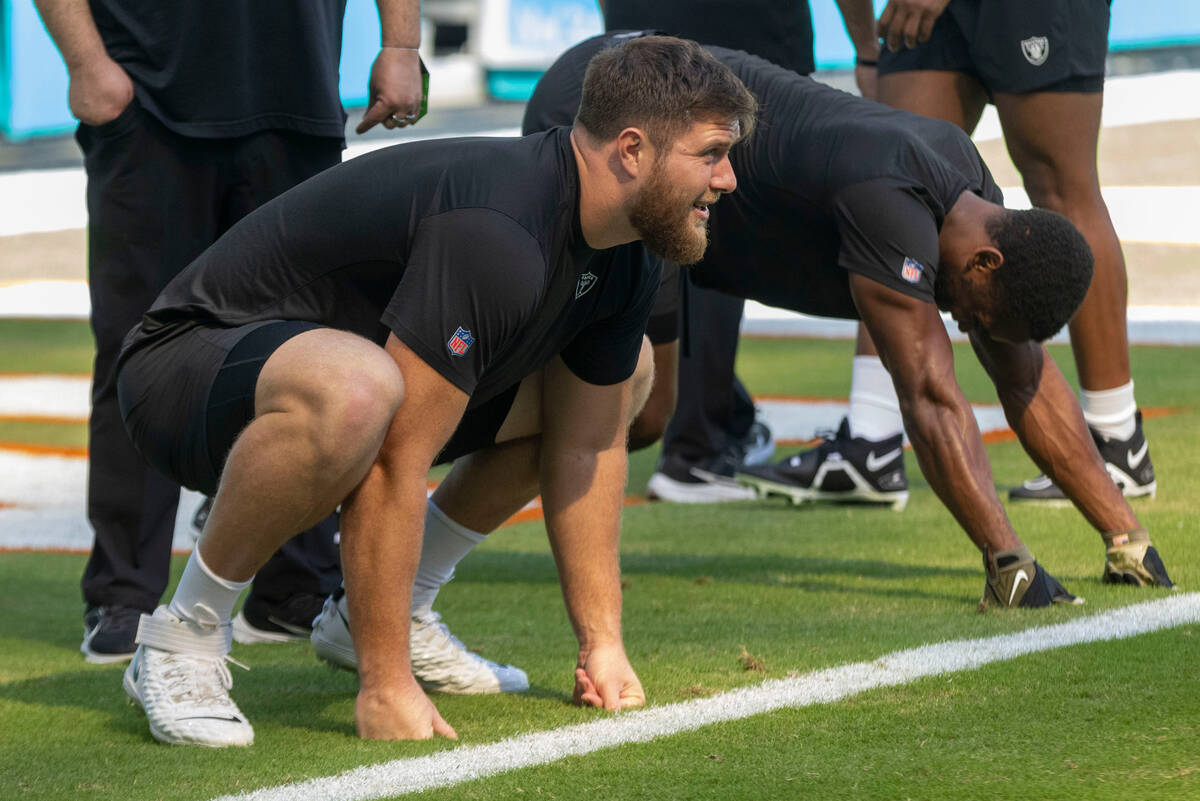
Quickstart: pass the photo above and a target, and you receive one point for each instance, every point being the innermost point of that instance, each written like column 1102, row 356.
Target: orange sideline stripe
column 34, row 449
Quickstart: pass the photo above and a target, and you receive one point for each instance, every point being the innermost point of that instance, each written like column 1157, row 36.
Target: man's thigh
column 186, row 400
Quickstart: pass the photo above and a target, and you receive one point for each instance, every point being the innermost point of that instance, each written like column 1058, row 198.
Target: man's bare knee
column 341, row 390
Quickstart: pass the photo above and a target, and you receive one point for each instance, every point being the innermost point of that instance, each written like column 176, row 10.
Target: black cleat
column 109, row 634
column 1127, row 461
column 841, row 469
column 285, row 621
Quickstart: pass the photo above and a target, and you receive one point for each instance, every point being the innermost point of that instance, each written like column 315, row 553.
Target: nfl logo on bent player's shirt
column 461, row 342
column 911, row 271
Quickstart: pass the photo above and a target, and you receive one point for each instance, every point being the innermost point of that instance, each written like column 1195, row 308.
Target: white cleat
column 440, row 662
column 178, row 676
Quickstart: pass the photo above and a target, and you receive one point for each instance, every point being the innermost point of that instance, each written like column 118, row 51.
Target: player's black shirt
column 469, row 250
column 229, row 69
column 778, row 30
column 829, row 182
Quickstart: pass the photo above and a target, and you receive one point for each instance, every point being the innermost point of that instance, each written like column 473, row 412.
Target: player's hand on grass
column 399, row 713
column 99, row 91
column 604, row 678
column 906, row 23
column 394, row 90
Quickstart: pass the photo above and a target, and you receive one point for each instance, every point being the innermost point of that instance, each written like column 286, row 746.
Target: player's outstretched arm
column 582, row 468
column 913, row 345
column 1042, row 410
column 382, row 527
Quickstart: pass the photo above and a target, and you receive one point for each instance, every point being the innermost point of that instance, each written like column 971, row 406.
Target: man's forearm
column 582, row 495
column 73, row 30
column 400, row 22
column 1041, row 408
column 949, row 448
column 859, row 19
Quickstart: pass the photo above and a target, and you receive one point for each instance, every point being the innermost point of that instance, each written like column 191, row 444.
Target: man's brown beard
column 655, row 216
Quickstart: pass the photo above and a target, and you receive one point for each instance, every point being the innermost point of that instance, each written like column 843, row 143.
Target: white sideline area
column 468, row 763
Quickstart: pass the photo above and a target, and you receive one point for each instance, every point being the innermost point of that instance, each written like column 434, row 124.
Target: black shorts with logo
column 209, row 375
column 1015, row 46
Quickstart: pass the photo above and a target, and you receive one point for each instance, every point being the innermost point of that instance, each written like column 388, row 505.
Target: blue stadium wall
column 33, row 80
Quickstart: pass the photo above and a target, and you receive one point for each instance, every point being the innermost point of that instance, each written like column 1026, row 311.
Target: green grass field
column 798, row 589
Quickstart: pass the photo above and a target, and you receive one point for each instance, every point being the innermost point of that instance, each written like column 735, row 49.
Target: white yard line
column 469, row 763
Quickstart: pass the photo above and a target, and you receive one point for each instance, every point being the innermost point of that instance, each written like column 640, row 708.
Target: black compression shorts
column 1015, row 46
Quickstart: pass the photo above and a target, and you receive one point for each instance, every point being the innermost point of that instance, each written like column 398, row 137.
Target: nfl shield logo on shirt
column 911, row 271
column 460, row 342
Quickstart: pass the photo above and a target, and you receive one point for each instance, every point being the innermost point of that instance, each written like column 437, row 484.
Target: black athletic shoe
column 1015, row 579
column 707, row 482
column 842, row 468
column 286, row 621
column 201, row 516
column 1127, row 461
column 756, row 448
column 109, row 634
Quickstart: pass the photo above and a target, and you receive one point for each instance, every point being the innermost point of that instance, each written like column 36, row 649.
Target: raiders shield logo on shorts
column 1036, row 50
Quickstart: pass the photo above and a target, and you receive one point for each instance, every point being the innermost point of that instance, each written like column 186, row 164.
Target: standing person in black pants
column 713, row 430
column 190, row 119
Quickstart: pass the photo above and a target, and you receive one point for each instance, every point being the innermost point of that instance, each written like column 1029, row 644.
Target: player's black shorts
column 1015, row 46
column 186, row 400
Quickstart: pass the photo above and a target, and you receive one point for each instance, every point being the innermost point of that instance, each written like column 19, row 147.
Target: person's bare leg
column 1052, row 138
column 651, row 422
column 322, row 407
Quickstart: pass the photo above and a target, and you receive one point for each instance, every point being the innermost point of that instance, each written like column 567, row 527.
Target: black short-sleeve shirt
column 469, row 250
column 828, row 183
column 778, row 30
column 220, row 70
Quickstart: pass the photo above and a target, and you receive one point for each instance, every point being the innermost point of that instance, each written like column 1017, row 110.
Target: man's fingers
column 927, row 23
column 585, row 689
column 912, row 29
column 377, row 113
column 885, row 21
column 440, row 726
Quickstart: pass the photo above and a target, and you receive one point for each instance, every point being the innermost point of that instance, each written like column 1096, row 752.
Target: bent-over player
column 846, row 208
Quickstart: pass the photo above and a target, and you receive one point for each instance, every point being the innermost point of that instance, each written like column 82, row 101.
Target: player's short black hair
column 1046, row 271
column 661, row 84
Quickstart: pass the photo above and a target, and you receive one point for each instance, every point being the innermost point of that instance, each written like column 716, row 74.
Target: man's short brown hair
column 662, row 85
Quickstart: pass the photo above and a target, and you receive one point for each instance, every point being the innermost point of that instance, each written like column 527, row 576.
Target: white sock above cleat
column 178, row 676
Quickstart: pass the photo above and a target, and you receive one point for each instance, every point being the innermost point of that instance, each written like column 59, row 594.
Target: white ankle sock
column 874, row 407
column 204, row 597
column 1110, row 411
column 444, row 546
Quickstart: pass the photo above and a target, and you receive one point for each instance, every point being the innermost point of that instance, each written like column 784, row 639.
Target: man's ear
column 986, row 259
column 634, row 151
